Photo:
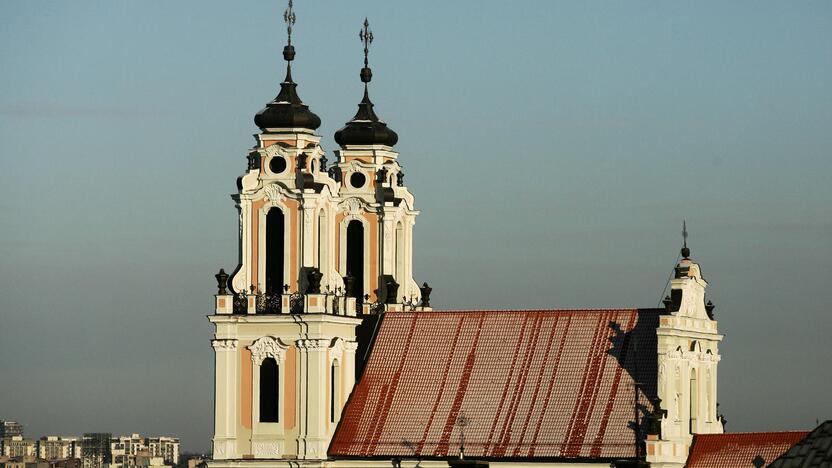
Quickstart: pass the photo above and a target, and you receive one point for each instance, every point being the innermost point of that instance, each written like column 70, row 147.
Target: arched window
column 274, row 251
column 355, row 256
column 269, row 391
column 694, row 401
column 334, row 390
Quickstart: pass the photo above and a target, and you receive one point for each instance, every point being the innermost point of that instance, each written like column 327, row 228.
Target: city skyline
column 122, row 128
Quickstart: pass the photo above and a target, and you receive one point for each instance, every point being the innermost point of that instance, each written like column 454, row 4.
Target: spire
column 287, row 110
column 366, row 128
column 685, row 249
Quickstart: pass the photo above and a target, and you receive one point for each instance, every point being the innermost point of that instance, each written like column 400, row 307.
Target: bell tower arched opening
column 274, row 251
column 355, row 257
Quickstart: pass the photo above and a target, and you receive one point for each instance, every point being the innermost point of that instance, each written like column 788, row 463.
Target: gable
column 529, row 384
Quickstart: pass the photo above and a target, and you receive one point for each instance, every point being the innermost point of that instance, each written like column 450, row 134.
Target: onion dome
column 366, row 128
column 287, row 110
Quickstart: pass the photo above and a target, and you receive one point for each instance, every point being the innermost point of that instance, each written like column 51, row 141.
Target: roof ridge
column 792, row 431
column 576, row 309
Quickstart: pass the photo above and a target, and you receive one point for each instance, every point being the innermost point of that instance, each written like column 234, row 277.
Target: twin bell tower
column 322, row 247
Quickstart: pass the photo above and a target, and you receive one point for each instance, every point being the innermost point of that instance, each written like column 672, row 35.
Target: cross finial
column 366, row 36
column 289, row 19
column 462, row 422
column 685, row 249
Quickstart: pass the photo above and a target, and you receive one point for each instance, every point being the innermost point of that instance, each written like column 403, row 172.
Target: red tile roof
column 539, row 383
column 740, row 449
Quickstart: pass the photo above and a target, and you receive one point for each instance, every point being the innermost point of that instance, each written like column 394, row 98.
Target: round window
column 358, row 179
column 277, row 165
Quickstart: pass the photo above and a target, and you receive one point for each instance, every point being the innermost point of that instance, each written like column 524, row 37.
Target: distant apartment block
column 10, row 429
column 95, row 450
column 17, row 446
column 135, row 450
column 58, row 448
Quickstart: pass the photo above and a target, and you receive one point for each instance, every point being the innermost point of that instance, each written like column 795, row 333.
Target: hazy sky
column 554, row 149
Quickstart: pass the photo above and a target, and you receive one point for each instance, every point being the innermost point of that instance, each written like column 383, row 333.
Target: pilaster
column 225, row 398
column 312, row 439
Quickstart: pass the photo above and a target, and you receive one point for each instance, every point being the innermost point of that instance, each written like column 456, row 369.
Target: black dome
column 366, row 128
column 287, row 110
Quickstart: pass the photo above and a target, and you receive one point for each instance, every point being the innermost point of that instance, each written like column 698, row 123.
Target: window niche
column 267, row 359
column 269, row 391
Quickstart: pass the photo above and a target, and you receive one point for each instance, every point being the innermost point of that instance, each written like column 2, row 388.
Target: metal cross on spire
column 685, row 249
column 289, row 19
column 366, row 36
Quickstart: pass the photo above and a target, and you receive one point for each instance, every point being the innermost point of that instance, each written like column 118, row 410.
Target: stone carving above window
column 274, row 193
column 265, row 347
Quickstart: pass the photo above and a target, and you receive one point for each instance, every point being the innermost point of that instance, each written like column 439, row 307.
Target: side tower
column 317, row 251
column 688, row 356
column 375, row 226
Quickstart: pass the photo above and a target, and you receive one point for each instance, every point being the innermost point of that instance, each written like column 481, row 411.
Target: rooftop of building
column 520, row 384
column 813, row 450
column 740, row 448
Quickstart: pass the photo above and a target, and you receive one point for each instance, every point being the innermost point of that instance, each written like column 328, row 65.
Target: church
column 329, row 353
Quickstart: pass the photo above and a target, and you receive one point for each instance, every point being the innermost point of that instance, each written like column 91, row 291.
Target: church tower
column 320, row 249
column 688, row 356
column 377, row 207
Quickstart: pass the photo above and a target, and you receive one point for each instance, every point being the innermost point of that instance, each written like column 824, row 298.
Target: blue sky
column 554, row 149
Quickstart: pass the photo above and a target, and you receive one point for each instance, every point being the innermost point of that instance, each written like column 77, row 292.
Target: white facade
column 688, row 349
column 313, row 352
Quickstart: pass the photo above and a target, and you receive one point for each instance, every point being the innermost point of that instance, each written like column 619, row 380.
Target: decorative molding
column 312, row 344
column 274, row 193
column 308, row 214
column 351, row 205
column 240, row 215
column 350, row 346
column 224, row 344
column 336, row 349
column 265, row 347
column 266, row 449
column 223, row 449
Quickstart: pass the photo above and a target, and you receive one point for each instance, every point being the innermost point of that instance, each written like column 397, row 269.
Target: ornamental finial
column 366, row 36
column 289, row 49
column 289, row 19
column 685, row 249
